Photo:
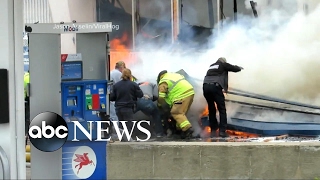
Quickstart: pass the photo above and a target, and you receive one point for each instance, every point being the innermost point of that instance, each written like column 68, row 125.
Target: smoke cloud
column 278, row 50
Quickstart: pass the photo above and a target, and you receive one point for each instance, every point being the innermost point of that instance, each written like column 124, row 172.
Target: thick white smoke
column 280, row 56
column 280, row 59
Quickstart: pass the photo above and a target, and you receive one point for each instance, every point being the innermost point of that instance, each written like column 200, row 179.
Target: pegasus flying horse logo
column 83, row 161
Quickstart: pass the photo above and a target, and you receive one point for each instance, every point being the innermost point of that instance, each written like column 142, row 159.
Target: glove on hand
column 165, row 108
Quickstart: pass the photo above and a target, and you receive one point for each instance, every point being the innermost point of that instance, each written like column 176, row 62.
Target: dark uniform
column 214, row 82
column 125, row 94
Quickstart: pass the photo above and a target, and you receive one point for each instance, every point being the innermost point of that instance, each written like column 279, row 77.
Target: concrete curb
column 213, row 160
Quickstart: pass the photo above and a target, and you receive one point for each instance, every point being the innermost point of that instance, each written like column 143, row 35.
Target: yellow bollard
column 28, row 157
column 28, row 148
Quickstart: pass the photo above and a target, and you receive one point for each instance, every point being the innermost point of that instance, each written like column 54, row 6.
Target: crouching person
column 125, row 94
column 176, row 94
column 148, row 107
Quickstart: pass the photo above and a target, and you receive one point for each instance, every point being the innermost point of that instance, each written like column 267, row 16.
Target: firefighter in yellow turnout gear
column 176, row 94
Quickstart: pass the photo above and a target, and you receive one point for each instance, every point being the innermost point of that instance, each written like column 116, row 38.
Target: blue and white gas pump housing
column 77, row 93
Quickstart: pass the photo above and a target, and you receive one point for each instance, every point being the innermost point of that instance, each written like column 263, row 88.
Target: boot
column 187, row 134
column 159, row 135
column 214, row 134
column 223, row 134
column 169, row 133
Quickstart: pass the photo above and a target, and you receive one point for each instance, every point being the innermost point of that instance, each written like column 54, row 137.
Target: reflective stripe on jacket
column 178, row 88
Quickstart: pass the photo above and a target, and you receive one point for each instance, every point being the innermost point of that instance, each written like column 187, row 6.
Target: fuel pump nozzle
column 104, row 117
column 109, row 87
column 73, row 118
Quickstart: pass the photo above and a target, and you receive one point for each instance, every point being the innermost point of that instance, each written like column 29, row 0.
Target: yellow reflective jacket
column 133, row 79
column 26, row 82
column 178, row 88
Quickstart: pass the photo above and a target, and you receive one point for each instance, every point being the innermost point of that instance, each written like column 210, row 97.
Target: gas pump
column 82, row 101
column 76, row 90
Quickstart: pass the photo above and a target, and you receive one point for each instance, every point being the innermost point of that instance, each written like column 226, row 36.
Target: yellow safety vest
column 178, row 88
column 26, row 82
column 133, row 79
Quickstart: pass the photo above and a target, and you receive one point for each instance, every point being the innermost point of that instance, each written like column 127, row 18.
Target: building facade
column 34, row 11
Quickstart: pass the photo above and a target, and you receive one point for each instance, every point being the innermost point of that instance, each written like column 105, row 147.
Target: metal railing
column 5, row 164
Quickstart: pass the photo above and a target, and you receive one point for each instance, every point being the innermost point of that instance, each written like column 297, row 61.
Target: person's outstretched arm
column 139, row 92
column 232, row 68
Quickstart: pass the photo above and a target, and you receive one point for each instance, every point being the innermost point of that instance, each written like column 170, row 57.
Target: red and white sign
column 84, row 162
column 71, row 57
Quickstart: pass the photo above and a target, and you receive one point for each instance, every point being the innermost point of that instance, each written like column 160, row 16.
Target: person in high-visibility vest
column 176, row 94
column 134, row 79
column 26, row 82
column 27, row 102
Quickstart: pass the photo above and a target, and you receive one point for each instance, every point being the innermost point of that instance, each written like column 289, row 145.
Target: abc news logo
column 48, row 131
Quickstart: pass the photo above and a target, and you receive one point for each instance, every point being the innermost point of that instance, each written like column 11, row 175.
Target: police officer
column 125, row 94
column 215, row 81
column 115, row 76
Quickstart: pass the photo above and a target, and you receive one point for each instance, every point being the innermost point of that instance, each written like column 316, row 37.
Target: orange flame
column 230, row 132
column 205, row 112
column 207, row 129
column 233, row 133
column 119, row 51
column 242, row 134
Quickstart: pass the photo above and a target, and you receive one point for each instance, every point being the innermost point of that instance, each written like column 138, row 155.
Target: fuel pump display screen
column 71, row 102
column 71, row 70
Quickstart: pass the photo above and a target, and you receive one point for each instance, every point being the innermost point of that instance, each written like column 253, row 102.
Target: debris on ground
column 280, row 138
